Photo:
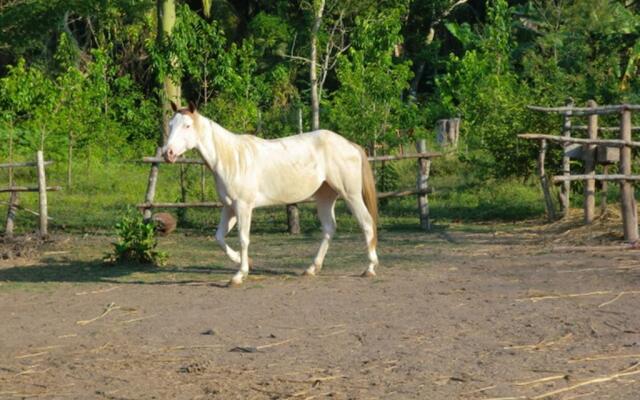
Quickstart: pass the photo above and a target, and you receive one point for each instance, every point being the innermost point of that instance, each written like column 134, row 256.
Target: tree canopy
column 90, row 71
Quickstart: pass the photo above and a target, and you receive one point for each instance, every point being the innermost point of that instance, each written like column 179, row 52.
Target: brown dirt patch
column 497, row 313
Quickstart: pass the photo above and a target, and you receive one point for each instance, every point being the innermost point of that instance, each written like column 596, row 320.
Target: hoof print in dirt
column 209, row 332
column 195, row 368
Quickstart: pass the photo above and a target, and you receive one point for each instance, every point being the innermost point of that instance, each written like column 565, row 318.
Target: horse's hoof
column 235, row 282
column 309, row 272
column 368, row 274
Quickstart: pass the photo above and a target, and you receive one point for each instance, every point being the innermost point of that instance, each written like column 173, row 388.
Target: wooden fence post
column 590, row 167
column 151, row 185
column 202, row 182
column 69, row 159
column 627, row 197
column 182, row 212
column 424, row 165
column 293, row 219
column 603, row 192
column 565, row 189
column 11, row 214
column 42, row 191
column 544, row 182
column 293, row 213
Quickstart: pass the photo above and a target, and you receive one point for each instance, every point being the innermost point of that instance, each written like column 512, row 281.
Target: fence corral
column 592, row 151
column 422, row 189
column 42, row 188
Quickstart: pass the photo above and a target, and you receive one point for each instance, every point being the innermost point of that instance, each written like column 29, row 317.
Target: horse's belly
column 289, row 185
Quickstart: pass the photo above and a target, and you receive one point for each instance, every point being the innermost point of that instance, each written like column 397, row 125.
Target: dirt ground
column 476, row 313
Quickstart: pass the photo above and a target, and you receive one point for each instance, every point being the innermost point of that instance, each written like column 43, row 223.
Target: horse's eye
column 187, row 126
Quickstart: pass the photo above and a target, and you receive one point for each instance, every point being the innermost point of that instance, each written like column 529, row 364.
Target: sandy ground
column 452, row 315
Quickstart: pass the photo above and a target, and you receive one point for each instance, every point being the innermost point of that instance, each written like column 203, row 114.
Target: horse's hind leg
column 227, row 221
column 361, row 213
column 326, row 200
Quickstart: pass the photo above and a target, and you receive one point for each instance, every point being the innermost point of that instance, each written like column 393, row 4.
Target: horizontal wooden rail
column 562, row 178
column 23, row 164
column 581, row 111
column 372, row 159
column 565, row 139
column 204, row 204
column 602, row 128
column 403, row 193
column 216, row 204
column 404, row 156
column 178, row 161
column 29, row 189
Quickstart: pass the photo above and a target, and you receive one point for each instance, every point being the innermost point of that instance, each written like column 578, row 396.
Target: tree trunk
column 415, row 83
column 171, row 89
column 318, row 10
column 42, row 191
column 10, row 155
column 69, row 159
column 206, row 8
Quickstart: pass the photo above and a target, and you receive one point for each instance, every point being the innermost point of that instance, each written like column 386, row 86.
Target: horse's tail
column 369, row 193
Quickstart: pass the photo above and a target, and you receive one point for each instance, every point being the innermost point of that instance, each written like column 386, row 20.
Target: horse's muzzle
column 170, row 156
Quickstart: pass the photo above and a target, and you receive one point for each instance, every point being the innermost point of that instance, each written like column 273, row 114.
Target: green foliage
column 587, row 49
column 136, row 241
column 368, row 107
column 483, row 88
column 83, row 74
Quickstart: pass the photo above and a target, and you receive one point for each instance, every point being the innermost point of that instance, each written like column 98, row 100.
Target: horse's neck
column 216, row 144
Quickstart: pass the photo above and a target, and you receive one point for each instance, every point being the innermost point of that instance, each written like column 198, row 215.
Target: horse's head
column 183, row 135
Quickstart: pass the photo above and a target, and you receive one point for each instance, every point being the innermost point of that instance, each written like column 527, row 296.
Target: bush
column 136, row 241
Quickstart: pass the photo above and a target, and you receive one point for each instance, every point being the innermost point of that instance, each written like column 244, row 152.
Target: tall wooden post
column 182, row 212
column 565, row 189
column 603, row 192
column 10, row 155
column 627, row 198
column 424, row 165
column 293, row 219
column 590, row 167
column 151, row 184
column 166, row 11
column 544, row 182
column 42, row 191
column 293, row 213
column 69, row 159
column 11, row 215
column 203, row 189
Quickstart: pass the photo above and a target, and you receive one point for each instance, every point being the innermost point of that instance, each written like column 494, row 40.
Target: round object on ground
column 165, row 223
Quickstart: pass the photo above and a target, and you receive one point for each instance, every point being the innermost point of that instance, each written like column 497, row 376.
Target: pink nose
column 170, row 156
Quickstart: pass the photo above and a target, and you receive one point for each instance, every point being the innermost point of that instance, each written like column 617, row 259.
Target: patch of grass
column 101, row 192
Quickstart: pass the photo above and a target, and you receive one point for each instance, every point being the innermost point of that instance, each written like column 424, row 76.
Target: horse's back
column 294, row 167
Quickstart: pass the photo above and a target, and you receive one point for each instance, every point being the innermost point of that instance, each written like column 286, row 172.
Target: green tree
column 368, row 107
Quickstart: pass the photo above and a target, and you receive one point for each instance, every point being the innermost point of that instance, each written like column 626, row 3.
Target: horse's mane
column 233, row 152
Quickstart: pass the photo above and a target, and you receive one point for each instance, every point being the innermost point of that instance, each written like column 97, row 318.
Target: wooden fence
column 41, row 188
column 592, row 151
column 421, row 190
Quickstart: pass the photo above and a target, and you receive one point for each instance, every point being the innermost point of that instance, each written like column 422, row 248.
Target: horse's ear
column 174, row 107
column 192, row 107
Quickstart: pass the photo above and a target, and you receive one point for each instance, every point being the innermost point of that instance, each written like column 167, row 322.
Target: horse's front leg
column 227, row 221
column 243, row 214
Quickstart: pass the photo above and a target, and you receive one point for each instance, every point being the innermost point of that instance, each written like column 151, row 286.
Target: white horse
column 252, row 172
